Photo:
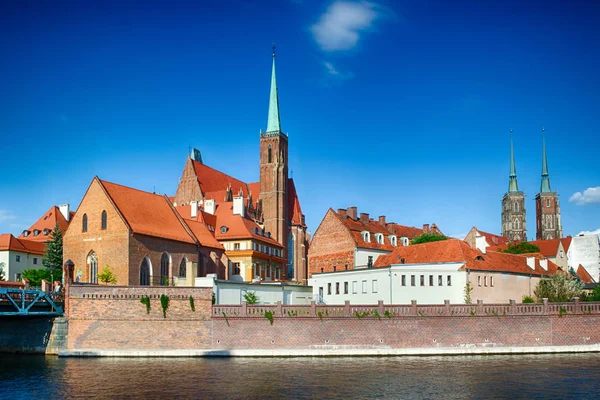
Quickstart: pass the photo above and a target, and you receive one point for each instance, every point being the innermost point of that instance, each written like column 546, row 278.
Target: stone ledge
column 332, row 352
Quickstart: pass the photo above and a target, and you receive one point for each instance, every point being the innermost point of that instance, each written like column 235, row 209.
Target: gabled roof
column 410, row 232
column 493, row 239
column 456, row 250
column 584, row 275
column 549, row 248
column 203, row 234
column 215, row 182
column 294, row 204
column 47, row 222
column 9, row 242
column 566, row 242
column 147, row 213
column 358, row 226
column 237, row 226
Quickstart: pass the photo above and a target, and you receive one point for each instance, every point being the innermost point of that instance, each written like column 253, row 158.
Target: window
column 183, row 267
column 223, row 229
column 269, row 154
column 329, row 288
column 478, row 280
column 103, row 218
column 236, row 246
column 165, row 262
column 268, row 271
column 485, row 281
column 422, row 280
column 337, row 288
column 449, row 280
column 320, row 292
column 403, row 280
column 364, row 286
column 430, row 280
column 277, row 273
column 374, row 288
column 547, row 203
column 18, row 258
column 370, row 262
column 366, row 236
column 394, row 241
column 334, row 268
column 35, row 260
column 491, row 281
column 36, row 232
column 379, row 238
column 354, row 288
column 345, row 287
column 236, row 268
column 84, row 223
column 145, row 269
column 93, row 266
column 46, row 231
column 412, row 280
column 257, row 269
column 440, row 280
column 18, row 277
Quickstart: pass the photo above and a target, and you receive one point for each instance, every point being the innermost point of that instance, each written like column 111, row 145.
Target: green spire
column 273, row 124
column 545, row 177
column 512, row 184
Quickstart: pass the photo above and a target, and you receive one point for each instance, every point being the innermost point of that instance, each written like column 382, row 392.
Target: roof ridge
column 129, row 187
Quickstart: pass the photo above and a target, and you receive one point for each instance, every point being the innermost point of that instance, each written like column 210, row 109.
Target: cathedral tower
column 513, row 205
column 547, row 207
column 274, row 170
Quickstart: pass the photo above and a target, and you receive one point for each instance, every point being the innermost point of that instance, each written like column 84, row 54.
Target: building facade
column 514, row 222
column 547, row 206
column 18, row 255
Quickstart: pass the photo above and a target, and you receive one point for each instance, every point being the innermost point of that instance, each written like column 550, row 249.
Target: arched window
column 104, row 222
column 393, row 240
column 516, row 206
column 145, row 272
column 183, row 268
column 269, row 154
column 379, row 238
column 92, row 261
column 366, row 236
column 84, row 223
column 165, row 260
column 290, row 255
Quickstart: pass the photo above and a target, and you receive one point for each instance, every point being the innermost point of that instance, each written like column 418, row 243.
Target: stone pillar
column 544, row 306
column 380, row 308
column 577, row 306
column 191, row 271
column 513, row 307
column 278, row 309
column 446, row 307
column 244, row 309
column 68, row 269
column 313, row 308
column 480, row 307
column 413, row 307
column 347, row 308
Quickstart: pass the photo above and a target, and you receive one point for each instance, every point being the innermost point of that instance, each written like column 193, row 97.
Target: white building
column 433, row 272
column 585, row 251
column 17, row 255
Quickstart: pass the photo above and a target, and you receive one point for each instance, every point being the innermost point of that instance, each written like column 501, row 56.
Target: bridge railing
column 30, row 302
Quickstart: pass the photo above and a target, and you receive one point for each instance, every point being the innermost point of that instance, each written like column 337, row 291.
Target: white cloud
column 330, row 68
column 589, row 196
column 340, row 27
column 5, row 216
column 589, row 233
column 333, row 72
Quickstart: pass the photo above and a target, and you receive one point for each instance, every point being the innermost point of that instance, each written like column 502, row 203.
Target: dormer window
column 46, row 231
column 26, row 233
column 393, row 240
column 379, row 238
column 366, row 236
column 224, row 229
column 256, row 231
column 36, row 232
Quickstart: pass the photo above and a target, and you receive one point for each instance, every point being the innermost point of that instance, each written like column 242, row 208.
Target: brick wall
column 332, row 244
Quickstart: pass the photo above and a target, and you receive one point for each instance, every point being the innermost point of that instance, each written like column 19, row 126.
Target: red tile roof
column 493, row 240
column 294, row 204
column 147, row 213
column 204, row 236
column 238, row 227
column 584, row 275
column 47, row 222
column 213, row 181
column 549, row 248
column 455, row 250
column 566, row 242
column 357, row 226
column 9, row 242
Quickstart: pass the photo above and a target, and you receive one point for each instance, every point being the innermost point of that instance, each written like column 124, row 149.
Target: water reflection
column 539, row 376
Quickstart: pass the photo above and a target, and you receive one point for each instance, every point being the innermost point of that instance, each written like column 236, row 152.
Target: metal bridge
column 23, row 302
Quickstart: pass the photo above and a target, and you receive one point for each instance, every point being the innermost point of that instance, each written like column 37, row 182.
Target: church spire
column 545, row 177
column 273, row 124
column 512, row 185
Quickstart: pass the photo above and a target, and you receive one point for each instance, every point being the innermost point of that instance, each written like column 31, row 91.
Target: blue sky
column 400, row 109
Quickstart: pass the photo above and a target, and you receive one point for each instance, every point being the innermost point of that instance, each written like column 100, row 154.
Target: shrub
column 192, row 306
column 164, row 303
column 527, row 299
column 146, row 301
column 251, row 298
column 269, row 316
column 106, row 276
column 558, row 288
column 428, row 237
column 521, row 248
column 467, row 291
column 595, row 295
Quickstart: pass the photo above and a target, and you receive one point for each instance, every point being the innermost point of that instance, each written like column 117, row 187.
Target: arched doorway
column 145, row 272
column 92, row 261
column 165, row 262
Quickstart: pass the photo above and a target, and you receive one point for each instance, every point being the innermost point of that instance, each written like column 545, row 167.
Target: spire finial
column 273, row 123
column 512, row 183
column 273, row 50
column 545, row 188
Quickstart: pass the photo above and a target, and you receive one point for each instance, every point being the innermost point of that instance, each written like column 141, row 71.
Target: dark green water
column 472, row 377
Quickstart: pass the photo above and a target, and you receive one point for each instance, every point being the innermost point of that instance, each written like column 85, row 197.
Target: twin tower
column 547, row 207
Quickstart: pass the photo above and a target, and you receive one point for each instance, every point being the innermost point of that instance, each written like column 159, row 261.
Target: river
column 457, row 377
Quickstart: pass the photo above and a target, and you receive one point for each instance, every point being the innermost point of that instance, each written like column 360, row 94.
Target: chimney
column 64, row 210
column 352, row 212
column 238, row 206
column 209, row 206
column 425, row 228
column 382, row 220
column 341, row 212
column 194, row 209
column 364, row 217
column 481, row 243
column 544, row 263
column 531, row 262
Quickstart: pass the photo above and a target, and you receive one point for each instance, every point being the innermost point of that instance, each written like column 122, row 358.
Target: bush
column 106, row 276
column 558, row 288
column 527, row 299
column 36, row 276
column 595, row 295
column 251, row 298
column 522, row 248
column 428, row 237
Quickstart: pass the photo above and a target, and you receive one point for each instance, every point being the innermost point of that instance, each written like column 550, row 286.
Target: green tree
column 35, row 276
column 428, row 237
column 595, row 295
column 558, row 287
column 468, row 290
column 107, row 276
column 53, row 256
column 2, row 277
column 522, row 248
column 251, row 298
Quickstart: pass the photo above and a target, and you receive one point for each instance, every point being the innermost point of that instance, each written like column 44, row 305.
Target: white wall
column 585, row 250
column 12, row 267
column 361, row 256
column 361, row 279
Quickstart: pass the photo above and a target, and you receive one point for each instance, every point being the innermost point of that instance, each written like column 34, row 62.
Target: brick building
column 547, row 206
column 477, row 238
column 514, row 221
column 272, row 202
column 346, row 240
column 140, row 236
